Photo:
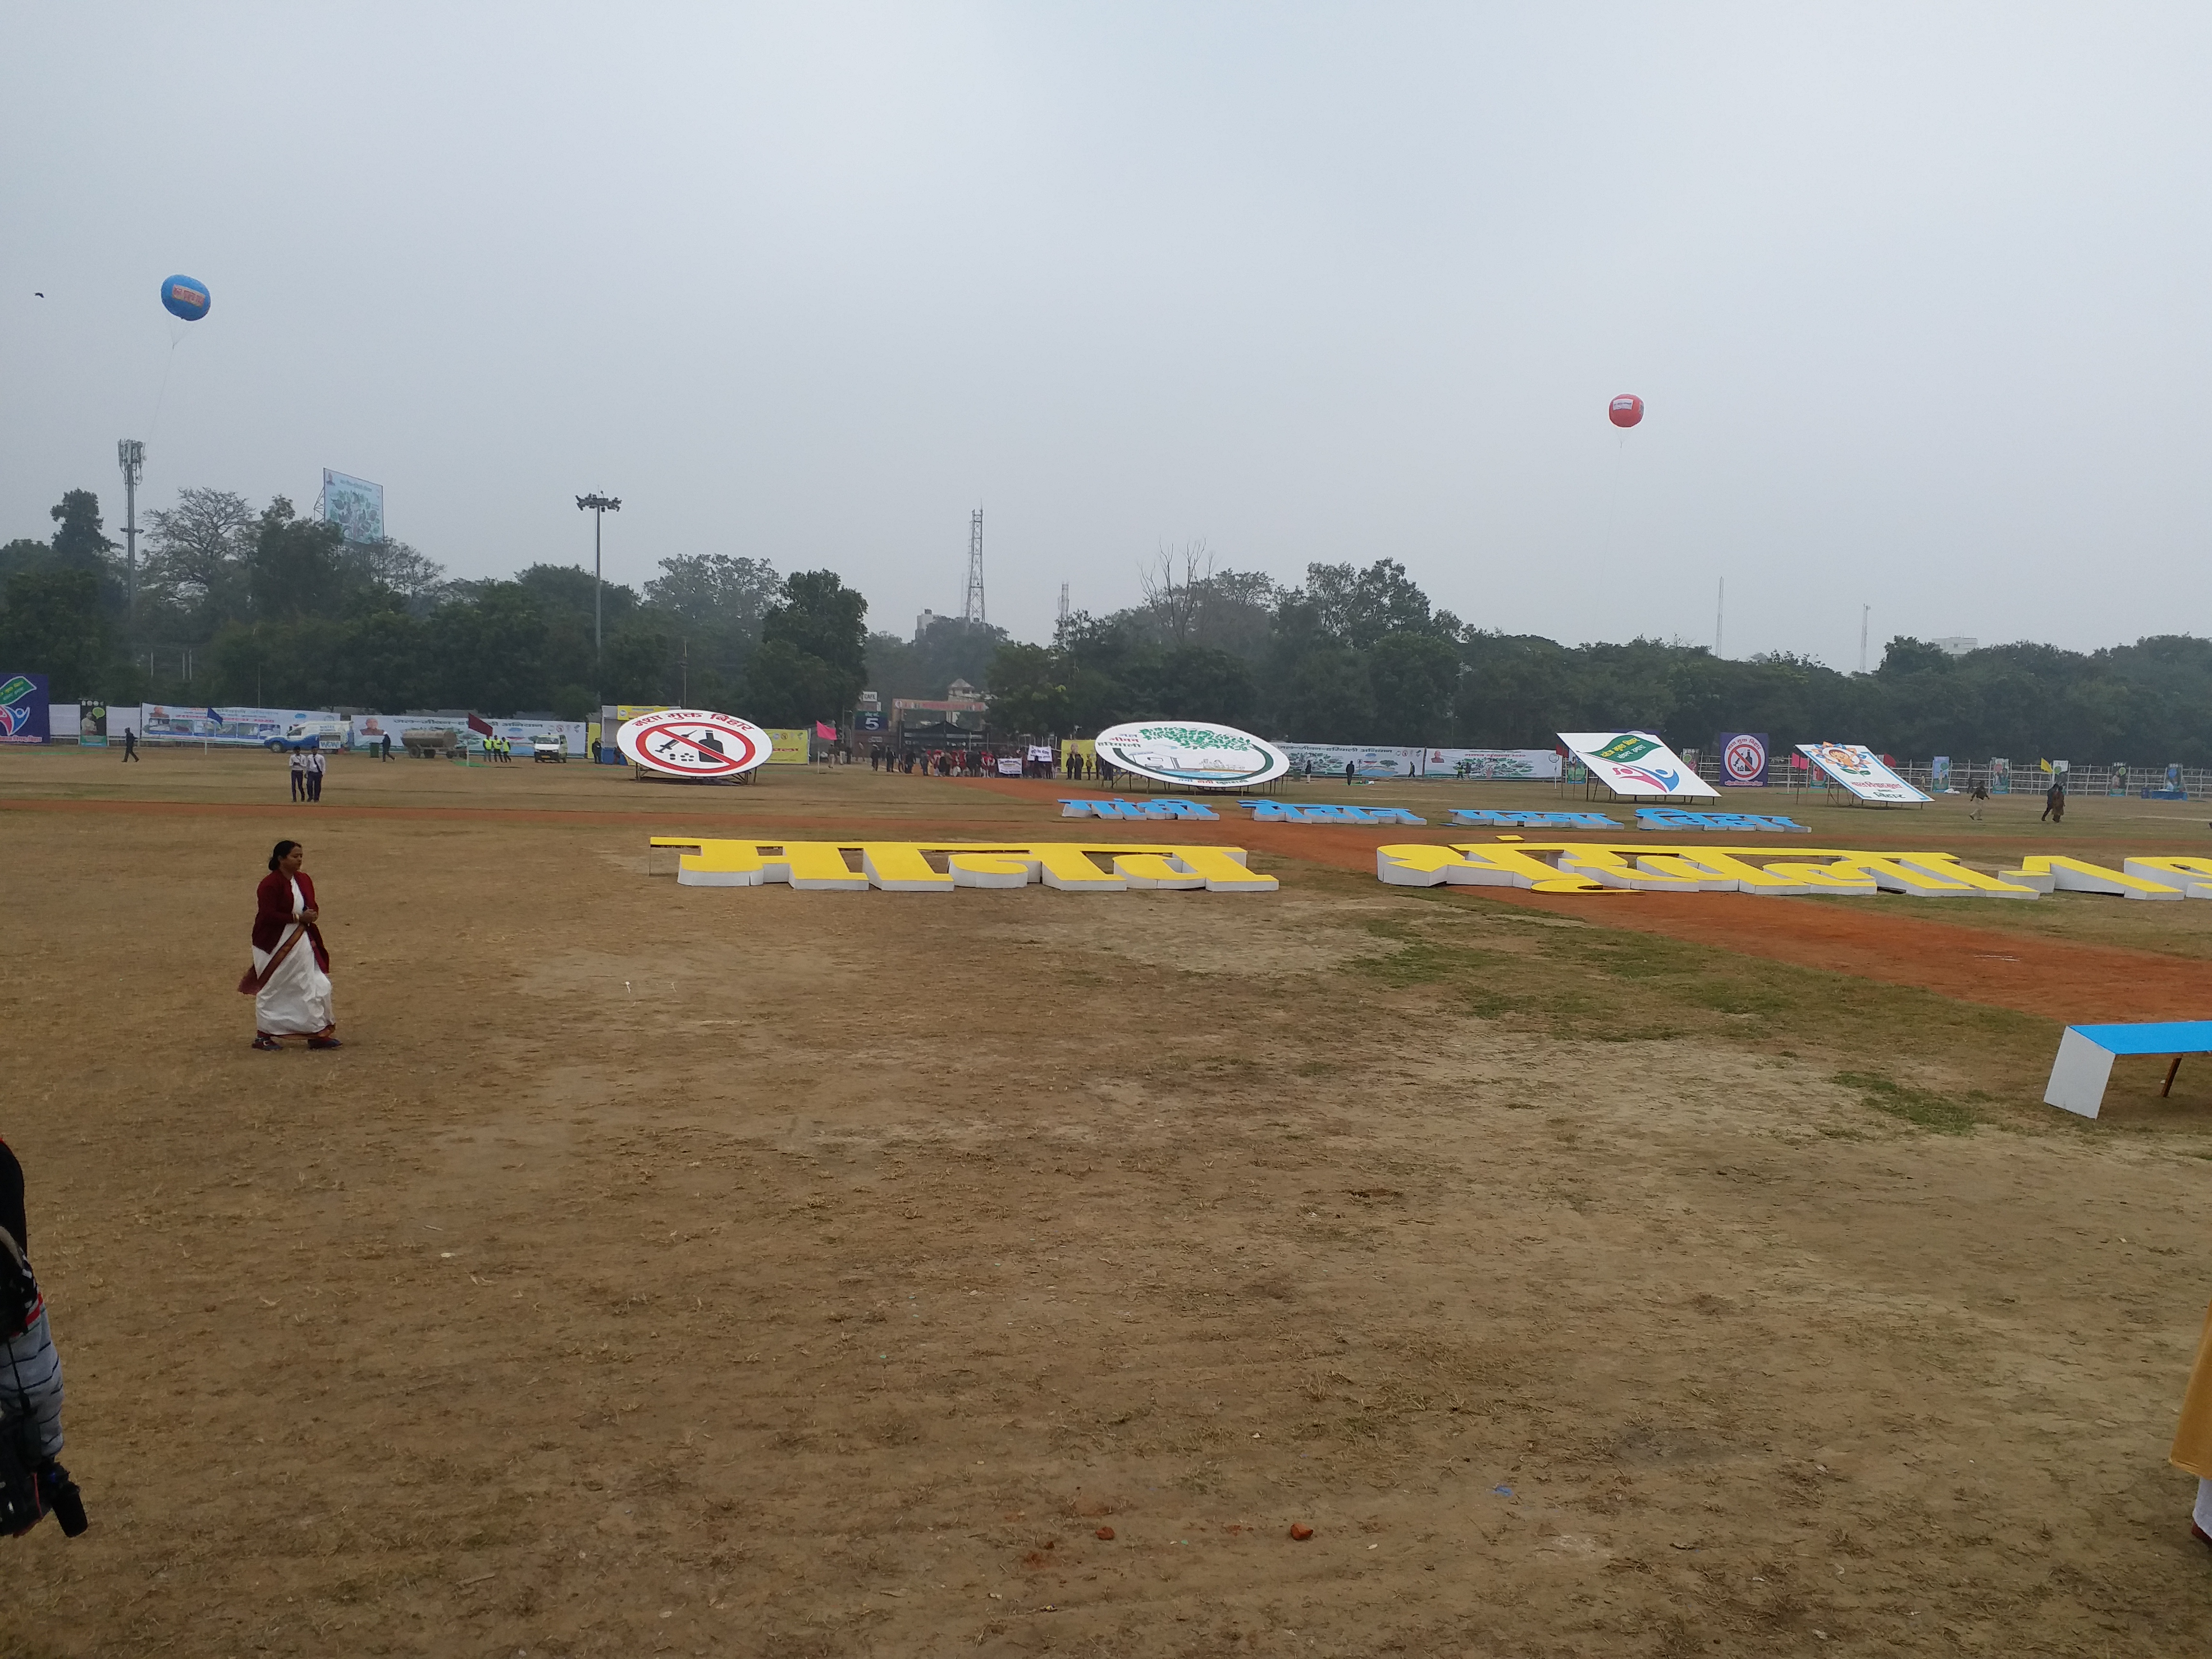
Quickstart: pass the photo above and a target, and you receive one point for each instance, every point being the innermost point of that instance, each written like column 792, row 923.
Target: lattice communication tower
column 972, row 610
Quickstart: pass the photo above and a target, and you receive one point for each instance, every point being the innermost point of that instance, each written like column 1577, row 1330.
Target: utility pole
column 1063, row 605
column 598, row 506
column 1866, row 615
column 131, row 456
column 1720, row 610
column 971, row 612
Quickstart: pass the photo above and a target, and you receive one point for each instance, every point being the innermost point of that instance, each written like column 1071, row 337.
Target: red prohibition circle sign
column 693, row 743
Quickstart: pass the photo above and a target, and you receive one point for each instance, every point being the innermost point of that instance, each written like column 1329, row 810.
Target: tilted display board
column 1851, row 766
column 1635, row 763
column 693, row 743
column 1192, row 753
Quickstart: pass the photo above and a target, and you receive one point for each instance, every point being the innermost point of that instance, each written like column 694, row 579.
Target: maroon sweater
column 273, row 914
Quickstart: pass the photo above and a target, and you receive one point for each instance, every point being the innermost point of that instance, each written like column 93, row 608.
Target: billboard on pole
column 355, row 504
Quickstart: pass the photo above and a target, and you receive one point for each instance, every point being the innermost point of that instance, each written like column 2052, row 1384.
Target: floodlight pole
column 598, row 506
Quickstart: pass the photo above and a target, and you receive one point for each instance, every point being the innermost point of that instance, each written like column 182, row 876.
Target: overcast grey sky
column 1915, row 295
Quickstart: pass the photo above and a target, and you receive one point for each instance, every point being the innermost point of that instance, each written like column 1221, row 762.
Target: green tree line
column 270, row 608
column 236, row 606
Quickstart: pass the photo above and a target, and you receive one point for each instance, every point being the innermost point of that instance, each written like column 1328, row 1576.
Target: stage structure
column 1637, row 764
column 1192, row 754
column 694, row 744
column 1853, row 768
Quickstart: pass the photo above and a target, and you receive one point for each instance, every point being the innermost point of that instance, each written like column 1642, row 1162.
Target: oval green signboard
column 1197, row 753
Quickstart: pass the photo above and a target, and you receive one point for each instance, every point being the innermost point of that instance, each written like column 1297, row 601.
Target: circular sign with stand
column 1192, row 754
column 693, row 743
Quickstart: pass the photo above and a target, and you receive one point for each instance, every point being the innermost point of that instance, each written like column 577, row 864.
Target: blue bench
column 2085, row 1053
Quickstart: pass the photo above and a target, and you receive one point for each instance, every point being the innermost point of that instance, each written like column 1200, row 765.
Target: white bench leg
column 2078, row 1076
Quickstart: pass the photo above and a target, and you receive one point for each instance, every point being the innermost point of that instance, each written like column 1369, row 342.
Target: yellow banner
column 789, row 746
column 939, row 866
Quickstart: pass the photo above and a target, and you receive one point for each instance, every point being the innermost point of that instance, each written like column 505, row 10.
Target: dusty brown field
column 751, row 1271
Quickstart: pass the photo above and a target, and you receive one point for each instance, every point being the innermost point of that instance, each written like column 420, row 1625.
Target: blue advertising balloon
column 184, row 297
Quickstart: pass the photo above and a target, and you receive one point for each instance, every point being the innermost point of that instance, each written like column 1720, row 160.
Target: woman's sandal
column 262, row 1040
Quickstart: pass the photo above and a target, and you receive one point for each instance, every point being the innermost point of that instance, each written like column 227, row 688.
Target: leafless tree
column 1172, row 584
column 194, row 547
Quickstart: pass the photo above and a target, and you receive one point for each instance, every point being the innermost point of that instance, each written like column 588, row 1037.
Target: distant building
column 961, row 691
column 921, row 624
column 1956, row 645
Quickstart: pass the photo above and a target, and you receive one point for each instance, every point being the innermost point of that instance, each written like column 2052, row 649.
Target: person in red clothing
column 289, row 980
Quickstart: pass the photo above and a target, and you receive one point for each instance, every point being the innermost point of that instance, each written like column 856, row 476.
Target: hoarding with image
column 1743, row 759
column 1366, row 760
column 1938, row 774
column 1855, row 768
column 355, row 504
column 793, row 745
column 91, row 723
column 1635, row 763
column 23, row 712
column 519, row 734
column 234, row 726
column 1492, row 765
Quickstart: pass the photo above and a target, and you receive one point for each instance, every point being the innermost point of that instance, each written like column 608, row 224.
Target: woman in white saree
column 289, row 980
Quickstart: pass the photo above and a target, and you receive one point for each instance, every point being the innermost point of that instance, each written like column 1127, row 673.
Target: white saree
column 295, row 1000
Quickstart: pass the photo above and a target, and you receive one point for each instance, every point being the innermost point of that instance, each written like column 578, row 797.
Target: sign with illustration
column 1193, row 753
column 693, row 743
column 1854, row 768
column 23, row 712
column 234, row 724
column 1743, row 759
column 1635, row 763
column 91, row 723
column 1492, row 765
column 1329, row 760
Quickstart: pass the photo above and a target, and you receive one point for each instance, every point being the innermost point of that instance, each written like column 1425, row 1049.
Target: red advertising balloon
column 1625, row 410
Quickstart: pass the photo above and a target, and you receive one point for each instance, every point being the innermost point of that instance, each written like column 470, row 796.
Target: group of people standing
column 500, row 750
column 307, row 774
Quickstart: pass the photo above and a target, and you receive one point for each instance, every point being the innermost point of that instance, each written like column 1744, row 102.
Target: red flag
column 823, row 729
column 479, row 724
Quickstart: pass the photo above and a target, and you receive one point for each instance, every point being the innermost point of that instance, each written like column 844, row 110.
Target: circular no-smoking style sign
column 1744, row 759
column 693, row 743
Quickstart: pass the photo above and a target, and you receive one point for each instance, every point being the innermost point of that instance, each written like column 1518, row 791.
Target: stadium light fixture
column 598, row 506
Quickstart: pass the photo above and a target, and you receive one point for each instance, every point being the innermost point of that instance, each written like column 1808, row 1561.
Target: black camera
column 30, row 1491
column 59, row 1493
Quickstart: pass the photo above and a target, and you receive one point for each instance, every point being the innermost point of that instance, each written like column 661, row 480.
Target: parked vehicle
column 555, row 748
column 308, row 734
column 432, row 742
